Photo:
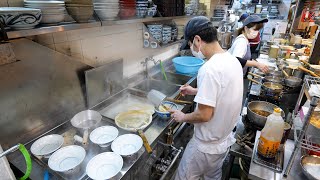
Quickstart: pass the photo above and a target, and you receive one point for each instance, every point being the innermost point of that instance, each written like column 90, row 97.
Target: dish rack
column 302, row 139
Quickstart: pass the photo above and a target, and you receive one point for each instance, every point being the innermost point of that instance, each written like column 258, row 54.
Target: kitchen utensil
column 127, row 144
column 274, row 79
column 187, row 64
column 274, row 51
column 104, row 135
column 258, row 111
column 135, row 121
column 308, row 71
column 67, row 159
column 85, row 120
column 46, row 145
column 291, row 81
column 310, row 166
column 163, row 71
column 269, row 86
column 156, row 97
column 104, row 166
column 293, row 63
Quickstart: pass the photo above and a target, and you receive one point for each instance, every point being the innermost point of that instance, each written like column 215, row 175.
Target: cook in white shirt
column 218, row 98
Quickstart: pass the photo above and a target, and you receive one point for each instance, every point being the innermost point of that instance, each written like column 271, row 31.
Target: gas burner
column 249, row 125
column 291, row 90
column 272, row 100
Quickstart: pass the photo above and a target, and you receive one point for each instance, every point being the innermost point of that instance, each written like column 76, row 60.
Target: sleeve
column 239, row 48
column 209, row 89
column 242, row 61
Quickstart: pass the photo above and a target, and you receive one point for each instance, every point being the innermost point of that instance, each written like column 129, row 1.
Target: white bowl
column 104, row 166
column 20, row 18
column 67, row 158
column 47, row 145
column 104, row 135
column 52, row 18
column 127, row 144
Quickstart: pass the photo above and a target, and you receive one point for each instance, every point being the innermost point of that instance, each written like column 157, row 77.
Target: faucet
column 145, row 64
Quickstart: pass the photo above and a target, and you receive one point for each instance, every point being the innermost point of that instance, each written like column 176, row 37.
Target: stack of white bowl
column 52, row 11
column 106, row 9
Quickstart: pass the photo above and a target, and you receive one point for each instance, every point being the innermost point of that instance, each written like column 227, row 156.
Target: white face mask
column 197, row 54
column 251, row 34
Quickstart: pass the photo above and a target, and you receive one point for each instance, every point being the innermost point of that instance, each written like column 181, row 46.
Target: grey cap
column 194, row 26
column 254, row 19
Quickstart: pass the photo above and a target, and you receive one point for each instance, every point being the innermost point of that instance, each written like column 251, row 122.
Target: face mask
column 196, row 54
column 251, row 34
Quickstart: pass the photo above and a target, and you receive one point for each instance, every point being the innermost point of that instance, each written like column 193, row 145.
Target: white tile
column 44, row 39
column 51, row 46
column 69, row 48
column 77, row 57
column 60, row 37
column 98, row 48
column 84, row 33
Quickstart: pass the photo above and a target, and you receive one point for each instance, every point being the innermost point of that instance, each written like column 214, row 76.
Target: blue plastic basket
column 187, row 64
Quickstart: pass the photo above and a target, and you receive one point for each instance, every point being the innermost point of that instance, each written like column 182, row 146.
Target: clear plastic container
column 271, row 135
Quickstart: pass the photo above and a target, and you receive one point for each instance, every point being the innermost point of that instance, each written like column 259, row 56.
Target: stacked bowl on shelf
column 107, row 9
column 174, row 33
column 166, row 34
column 52, row 11
column 127, row 8
column 80, row 10
column 19, row 17
column 156, row 31
column 142, row 8
column 152, row 11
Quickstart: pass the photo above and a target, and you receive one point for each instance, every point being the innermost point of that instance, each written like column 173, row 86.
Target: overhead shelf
column 74, row 26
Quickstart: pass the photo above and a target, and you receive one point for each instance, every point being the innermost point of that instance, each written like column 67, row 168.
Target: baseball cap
column 254, row 19
column 194, row 26
column 243, row 17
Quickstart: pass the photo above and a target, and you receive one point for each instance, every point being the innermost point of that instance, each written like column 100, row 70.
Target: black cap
column 194, row 26
column 254, row 19
column 243, row 17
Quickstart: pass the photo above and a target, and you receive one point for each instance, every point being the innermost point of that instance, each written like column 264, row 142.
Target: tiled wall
column 100, row 45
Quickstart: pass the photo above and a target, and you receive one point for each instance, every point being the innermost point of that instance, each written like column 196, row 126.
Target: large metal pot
column 262, row 106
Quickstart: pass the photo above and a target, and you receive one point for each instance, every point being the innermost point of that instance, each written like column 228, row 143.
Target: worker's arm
column 264, row 68
column 203, row 114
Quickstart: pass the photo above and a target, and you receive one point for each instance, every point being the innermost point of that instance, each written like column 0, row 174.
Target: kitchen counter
column 157, row 128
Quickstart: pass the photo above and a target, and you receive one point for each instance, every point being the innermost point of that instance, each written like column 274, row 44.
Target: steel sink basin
column 165, row 87
column 172, row 78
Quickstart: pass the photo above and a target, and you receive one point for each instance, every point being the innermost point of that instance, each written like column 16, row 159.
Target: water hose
column 163, row 71
column 27, row 158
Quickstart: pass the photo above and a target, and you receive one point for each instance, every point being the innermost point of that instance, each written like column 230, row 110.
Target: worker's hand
column 264, row 68
column 177, row 115
column 188, row 90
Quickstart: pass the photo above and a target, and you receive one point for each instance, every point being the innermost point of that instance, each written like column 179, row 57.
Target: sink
column 165, row 87
column 173, row 78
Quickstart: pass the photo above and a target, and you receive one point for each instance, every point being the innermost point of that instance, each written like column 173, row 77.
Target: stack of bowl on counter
column 80, row 10
column 107, row 9
column 52, row 11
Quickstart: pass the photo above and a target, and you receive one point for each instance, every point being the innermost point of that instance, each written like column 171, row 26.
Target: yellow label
column 268, row 148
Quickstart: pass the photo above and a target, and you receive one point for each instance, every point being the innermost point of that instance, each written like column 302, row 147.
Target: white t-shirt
column 220, row 85
column 239, row 46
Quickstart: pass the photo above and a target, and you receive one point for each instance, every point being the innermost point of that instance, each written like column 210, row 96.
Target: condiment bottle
column 271, row 135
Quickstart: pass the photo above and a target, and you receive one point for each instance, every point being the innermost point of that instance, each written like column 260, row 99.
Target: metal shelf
column 51, row 29
column 44, row 29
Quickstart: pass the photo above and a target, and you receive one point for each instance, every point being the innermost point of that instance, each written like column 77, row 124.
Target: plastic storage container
column 187, row 64
column 271, row 135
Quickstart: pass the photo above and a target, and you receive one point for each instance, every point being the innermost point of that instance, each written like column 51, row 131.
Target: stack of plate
column 166, row 34
column 156, row 31
column 107, row 9
column 174, row 33
column 52, row 11
column 80, row 10
column 127, row 8
column 142, row 8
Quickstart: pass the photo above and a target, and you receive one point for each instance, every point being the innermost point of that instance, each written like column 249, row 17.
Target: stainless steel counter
column 259, row 172
column 153, row 133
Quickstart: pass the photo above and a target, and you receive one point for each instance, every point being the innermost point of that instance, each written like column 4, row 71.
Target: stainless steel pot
column 274, row 79
column 260, row 106
column 297, row 73
column 292, row 81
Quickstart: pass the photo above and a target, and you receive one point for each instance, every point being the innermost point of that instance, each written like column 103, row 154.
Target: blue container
column 187, row 64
